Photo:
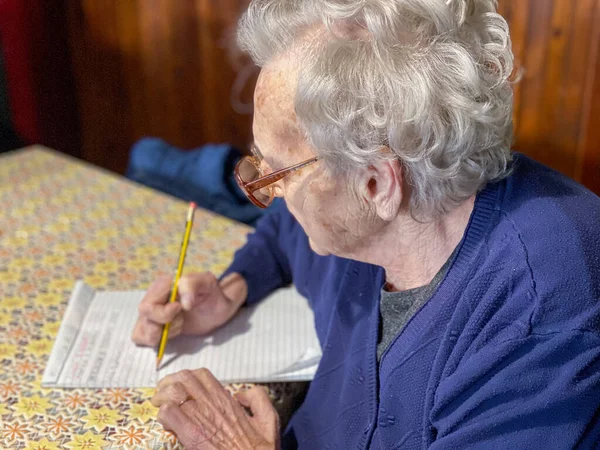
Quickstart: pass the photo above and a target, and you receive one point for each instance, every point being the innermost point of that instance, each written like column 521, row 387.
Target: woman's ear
column 382, row 187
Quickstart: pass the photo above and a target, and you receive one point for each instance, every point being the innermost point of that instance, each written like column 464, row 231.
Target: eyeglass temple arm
column 274, row 177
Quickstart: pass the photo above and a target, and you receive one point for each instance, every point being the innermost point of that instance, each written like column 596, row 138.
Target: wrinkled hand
column 213, row 419
column 203, row 307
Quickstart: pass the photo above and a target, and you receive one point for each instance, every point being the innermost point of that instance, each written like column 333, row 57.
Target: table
column 62, row 220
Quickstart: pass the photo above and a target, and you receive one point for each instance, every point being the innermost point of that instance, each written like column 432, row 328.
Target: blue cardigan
column 506, row 353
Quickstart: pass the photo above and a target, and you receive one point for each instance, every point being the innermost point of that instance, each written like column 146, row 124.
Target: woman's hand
column 212, row 418
column 205, row 304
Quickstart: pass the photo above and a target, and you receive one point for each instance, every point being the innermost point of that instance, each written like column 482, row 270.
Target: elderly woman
column 455, row 285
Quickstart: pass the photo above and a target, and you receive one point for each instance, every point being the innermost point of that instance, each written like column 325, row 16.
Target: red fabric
column 17, row 29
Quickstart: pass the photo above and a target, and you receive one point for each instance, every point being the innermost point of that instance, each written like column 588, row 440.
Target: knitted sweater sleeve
column 264, row 261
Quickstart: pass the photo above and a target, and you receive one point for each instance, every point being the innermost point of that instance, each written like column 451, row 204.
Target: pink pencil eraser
column 193, row 205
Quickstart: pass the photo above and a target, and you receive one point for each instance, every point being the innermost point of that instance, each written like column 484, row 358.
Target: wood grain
column 153, row 68
column 589, row 141
column 160, row 68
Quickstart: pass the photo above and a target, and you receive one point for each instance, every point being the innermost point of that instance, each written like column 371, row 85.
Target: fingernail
column 186, row 301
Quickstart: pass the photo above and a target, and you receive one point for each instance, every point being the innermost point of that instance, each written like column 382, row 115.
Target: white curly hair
column 428, row 79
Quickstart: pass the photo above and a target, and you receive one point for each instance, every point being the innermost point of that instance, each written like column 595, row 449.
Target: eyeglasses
column 258, row 186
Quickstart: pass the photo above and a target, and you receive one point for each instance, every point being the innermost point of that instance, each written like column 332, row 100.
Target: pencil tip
column 158, row 364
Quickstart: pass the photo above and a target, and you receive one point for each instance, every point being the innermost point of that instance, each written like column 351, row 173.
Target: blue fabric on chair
column 203, row 175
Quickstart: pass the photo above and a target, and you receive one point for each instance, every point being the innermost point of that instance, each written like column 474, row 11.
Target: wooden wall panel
column 101, row 82
column 159, row 68
column 555, row 46
column 588, row 167
column 153, row 68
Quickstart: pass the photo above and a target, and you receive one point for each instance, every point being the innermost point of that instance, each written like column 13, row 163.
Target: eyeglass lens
column 249, row 172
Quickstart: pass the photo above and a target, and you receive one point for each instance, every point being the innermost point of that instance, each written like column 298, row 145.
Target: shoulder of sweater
column 544, row 250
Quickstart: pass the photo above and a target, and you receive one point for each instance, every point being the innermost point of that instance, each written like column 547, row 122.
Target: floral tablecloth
column 62, row 220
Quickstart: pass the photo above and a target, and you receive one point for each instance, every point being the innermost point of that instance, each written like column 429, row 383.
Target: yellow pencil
column 184, row 244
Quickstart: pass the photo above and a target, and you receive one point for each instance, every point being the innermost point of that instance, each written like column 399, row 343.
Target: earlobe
column 387, row 208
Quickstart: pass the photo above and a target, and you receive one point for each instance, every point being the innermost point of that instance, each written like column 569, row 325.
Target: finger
column 138, row 334
column 210, row 395
column 146, row 332
column 175, row 393
column 176, row 377
column 176, row 326
column 190, row 434
column 194, row 386
column 158, row 291
column 212, row 407
column 174, row 419
column 208, row 380
column 162, row 313
column 192, row 383
column 257, row 400
column 157, row 294
column 264, row 415
column 191, row 288
column 166, row 381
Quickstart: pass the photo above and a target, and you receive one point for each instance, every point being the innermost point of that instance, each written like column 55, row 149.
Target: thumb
column 258, row 401
column 192, row 286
